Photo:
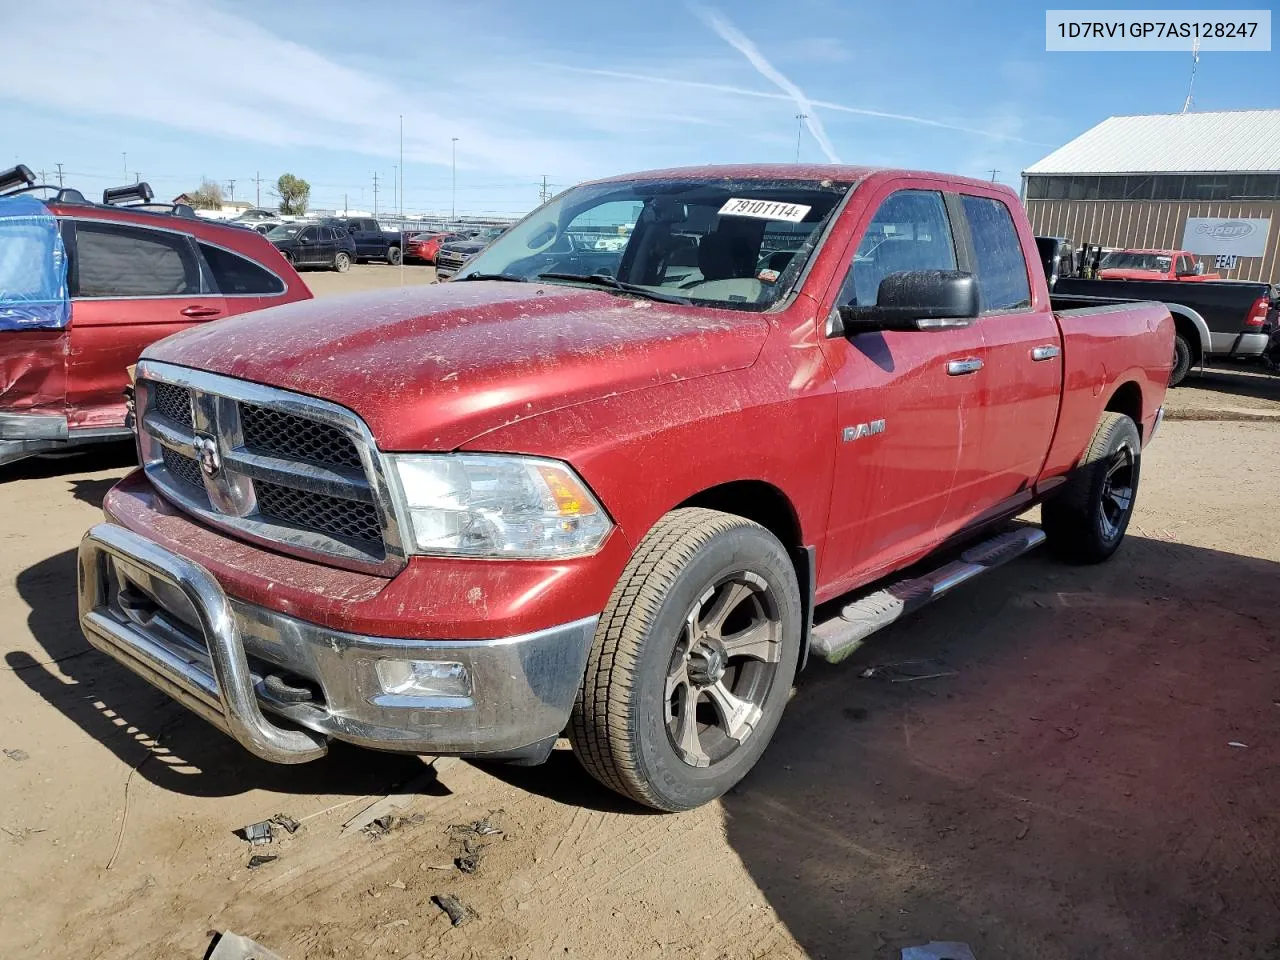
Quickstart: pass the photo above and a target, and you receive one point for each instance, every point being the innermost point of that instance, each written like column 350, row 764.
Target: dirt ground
column 1095, row 777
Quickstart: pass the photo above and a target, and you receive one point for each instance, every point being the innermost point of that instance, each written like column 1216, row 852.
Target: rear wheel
column 1181, row 360
column 393, row 256
column 342, row 262
column 692, row 663
column 1086, row 522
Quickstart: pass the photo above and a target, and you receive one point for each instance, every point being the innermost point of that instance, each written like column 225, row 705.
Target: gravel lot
column 1096, row 779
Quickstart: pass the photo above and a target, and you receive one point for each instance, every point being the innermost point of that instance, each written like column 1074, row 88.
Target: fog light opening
column 424, row 678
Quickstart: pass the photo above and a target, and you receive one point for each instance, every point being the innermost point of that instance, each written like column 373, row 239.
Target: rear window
column 113, row 260
column 233, row 274
column 1001, row 267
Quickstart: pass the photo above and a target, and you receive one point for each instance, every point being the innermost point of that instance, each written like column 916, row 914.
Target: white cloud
column 740, row 42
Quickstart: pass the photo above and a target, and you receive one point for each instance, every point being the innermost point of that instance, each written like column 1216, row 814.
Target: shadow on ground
column 102, row 456
column 1097, row 780
column 1239, row 380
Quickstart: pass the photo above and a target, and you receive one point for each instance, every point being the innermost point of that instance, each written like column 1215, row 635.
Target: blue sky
column 572, row 89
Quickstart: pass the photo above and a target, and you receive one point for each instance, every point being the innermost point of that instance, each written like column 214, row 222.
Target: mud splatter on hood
column 429, row 368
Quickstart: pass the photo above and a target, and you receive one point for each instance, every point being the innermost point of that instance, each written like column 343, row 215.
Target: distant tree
column 207, row 197
column 294, row 194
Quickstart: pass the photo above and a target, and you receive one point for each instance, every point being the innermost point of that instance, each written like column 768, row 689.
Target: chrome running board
column 835, row 639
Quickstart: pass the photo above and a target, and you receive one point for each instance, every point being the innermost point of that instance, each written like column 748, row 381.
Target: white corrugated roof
column 1236, row 141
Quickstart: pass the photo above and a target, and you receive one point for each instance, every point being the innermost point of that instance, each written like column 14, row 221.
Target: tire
column 1086, row 522
column 673, row 723
column 1181, row 360
column 393, row 256
column 342, row 262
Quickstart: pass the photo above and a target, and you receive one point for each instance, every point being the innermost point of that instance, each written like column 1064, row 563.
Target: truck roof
column 796, row 171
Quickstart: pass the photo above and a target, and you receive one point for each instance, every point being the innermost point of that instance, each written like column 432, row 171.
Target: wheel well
column 1127, row 400
column 1190, row 333
column 754, row 500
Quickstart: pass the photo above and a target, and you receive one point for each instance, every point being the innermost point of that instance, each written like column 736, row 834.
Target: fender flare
column 1202, row 328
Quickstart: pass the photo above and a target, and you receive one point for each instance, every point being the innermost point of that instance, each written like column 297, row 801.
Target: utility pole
column 545, row 193
column 124, row 162
column 800, row 119
column 375, row 193
column 395, row 186
column 454, row 205
column 344, row 204
column 231, row 185
column 59, row 166
column 402, row 174
column 257, row 189
column 42, row 176
column 137, row 177
column 994, row 171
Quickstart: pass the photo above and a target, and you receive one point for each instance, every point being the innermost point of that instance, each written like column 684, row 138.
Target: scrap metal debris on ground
column 264, row 831
column 232, row 946
column 459, row 913
column 905, row 671
column 472, row 837
column 258, row 859
column 380, row 827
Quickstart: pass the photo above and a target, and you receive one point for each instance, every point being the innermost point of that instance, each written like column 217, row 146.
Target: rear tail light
column 1258, row 313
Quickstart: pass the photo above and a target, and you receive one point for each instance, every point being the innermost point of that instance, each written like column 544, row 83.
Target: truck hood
column 431, row 368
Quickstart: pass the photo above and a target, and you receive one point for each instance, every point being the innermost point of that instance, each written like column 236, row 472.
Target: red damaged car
column 85, row 287
column 620, row 492
column 424, row 247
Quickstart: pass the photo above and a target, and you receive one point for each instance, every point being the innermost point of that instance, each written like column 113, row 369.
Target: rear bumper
column 1237, row 344
column 229, row 662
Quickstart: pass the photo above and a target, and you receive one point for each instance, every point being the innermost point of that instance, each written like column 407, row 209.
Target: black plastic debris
column 258, row 860
column 457, row 911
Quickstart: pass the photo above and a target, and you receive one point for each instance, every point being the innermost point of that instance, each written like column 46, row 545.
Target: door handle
column 198, row 311
column 960, row 368
column 1046, row 352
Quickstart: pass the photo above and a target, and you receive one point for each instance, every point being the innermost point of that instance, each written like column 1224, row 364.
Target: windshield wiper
column 513, row 278
column 602, row 280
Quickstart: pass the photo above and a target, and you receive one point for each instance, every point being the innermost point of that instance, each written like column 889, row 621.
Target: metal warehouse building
column 1204, row 182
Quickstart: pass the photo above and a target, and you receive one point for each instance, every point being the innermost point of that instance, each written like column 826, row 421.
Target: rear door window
column 233, row 274
column 1000, row 265
column 114, row 260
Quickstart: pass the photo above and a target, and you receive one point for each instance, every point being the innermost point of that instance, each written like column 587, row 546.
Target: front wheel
column 394, row 256
column 693, row 661
column 1086, row 521
column 342, row 262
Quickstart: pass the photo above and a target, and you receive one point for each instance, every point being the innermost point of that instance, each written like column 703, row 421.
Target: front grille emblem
column 207, row 453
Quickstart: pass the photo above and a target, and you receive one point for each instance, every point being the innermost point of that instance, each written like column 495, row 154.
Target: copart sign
column 1225, row 237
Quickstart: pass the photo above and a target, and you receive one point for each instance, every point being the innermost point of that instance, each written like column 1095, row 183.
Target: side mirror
column 917, row 300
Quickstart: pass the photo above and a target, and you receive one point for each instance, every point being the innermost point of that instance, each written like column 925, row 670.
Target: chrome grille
column 183, row 468
column 297, row 438
column 172, row 401
column 274, row 467
column 332, row 515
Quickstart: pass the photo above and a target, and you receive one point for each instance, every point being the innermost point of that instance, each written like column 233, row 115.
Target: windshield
column 1131, row 260
column 731, row 243
column 286, row 231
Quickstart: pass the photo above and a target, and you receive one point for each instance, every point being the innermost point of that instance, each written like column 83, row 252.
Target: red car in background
column 423, row 247
column 85, row 287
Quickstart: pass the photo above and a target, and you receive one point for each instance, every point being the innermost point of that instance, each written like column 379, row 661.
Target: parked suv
column 453, row 254
column 84, row 287
column 372, row 242
column 314, row 245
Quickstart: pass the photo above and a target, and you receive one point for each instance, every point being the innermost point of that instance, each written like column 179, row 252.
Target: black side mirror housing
column 917, row 300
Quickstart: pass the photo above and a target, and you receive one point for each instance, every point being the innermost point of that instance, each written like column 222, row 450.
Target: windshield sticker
column 764, row 209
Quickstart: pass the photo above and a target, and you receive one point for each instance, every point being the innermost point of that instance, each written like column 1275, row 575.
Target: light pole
column 124, row 161
column 454, row 206
column 800, row 119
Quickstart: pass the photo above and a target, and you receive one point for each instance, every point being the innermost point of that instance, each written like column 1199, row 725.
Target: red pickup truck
column 1152, row 265
column 604, row 491
column 84, row 287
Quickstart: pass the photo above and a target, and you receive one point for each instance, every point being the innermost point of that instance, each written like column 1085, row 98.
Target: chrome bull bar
column 224, row 697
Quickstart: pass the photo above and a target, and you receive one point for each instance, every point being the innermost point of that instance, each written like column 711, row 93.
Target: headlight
column 488, row 505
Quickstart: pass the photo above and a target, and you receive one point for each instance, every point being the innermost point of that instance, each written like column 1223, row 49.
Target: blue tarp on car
column 33, row 267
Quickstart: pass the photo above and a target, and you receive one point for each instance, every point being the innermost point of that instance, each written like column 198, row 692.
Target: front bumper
column 167, row 619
